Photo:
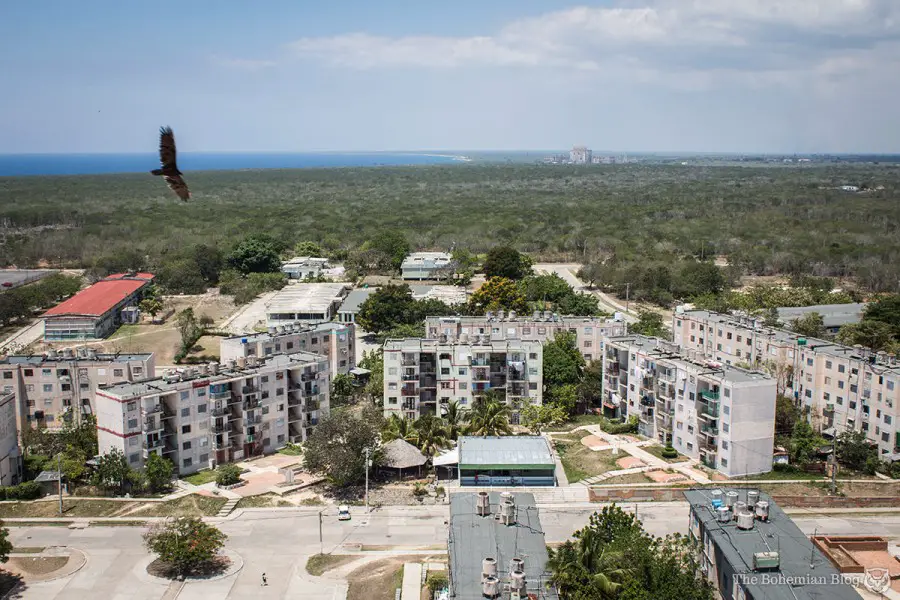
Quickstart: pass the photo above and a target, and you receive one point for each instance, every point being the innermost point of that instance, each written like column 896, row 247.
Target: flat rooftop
column 426, row 345
column 43, row 359
column 426, row 259
column 306, row 297
column 100, row 298
column 780, row 534
column 501, row 452
column 355, row 298
column 565, row 320
column 266, row 336
column 833, row 315
column 159, row 385
column 472, row 538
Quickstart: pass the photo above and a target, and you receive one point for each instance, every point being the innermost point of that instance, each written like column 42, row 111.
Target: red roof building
column 94, row 312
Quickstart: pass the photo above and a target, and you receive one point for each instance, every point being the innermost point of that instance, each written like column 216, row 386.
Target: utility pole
column 367, row 481
column 627, row 296
column 321, row 542
column 59, row 480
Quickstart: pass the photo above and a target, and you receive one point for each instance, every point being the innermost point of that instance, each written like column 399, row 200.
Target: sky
column 778, row 76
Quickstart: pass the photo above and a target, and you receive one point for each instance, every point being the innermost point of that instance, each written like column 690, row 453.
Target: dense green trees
column 185, row 544
column 614, row 558
column 650, row 323
column 489, row 416
column 392, row 244
column 256, row 253
column 159, row 471
column 393, row 306
column 880, row 328
column 809, row 325
column 497, row 293
column 551, row 292
column 22, row 302
column 507, row 262
column 336, row 447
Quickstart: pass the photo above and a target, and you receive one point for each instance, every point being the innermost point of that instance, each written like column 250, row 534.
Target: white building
column 10, row 458
column 308, row 303
column 844, row 388
column 721, row 415
column 48, row 386
column 199, row 418
column 302, row 267
column 335, row 341
column 422, row 375
column 580, row 155
column 426, row 265
column 538, row 327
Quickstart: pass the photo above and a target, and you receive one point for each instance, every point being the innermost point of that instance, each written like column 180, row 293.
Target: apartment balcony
column 409, row 361
column 308, row 377
column 829, row 407
column 218, row 411
column 708, row 460
column 250, row 404
column 409, row 390
column 223, row 395
column 311, row 405
column 221, row 442
column 152, row 444
column 293, row 401
column 709, row 411
column 408, row 406
column 664, row 421
column 480, row 375
column 154, row 410
column 222, row 428
column 710, row 395
column 480, row 362
column 428, row 381
column 708, row 448
column 410, row 377
column 152, row 424
column 249, row 389
column 613, row 369
column 646, row 416
column 709, row 430
column 250, row 421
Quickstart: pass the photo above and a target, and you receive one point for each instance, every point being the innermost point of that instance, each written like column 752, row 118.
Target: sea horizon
column 108, row 163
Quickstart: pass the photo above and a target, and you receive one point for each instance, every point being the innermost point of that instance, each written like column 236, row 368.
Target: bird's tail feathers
column 156, row 172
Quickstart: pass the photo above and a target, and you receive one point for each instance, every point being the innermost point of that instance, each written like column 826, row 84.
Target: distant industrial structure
column 580, row 155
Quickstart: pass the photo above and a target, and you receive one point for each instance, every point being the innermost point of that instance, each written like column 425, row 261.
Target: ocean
column 92, row 164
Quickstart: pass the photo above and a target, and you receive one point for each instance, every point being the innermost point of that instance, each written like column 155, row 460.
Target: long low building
column 199, row 418
column 506, row 461
column 834, row 316
column 307, row 303
column 426, row 265
column 95, row 312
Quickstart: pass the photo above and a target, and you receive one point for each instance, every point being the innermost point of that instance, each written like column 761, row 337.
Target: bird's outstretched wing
column 167, row 154
column 178, row 186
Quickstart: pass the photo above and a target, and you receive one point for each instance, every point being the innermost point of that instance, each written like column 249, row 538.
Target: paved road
column 249, row 316
column 567, row 272
column 279, row 542
column 23, row 337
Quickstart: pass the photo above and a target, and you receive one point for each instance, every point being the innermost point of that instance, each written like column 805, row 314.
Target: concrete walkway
column 412, row 582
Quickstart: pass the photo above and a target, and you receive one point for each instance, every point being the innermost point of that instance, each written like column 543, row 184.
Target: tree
column 185, row 543
column 564, row 397
column 159, row 472
column 786, row 415
column 228, row 474
column 337, row 445
column 875, row 335
column 392, row 244
column 342, row 390
column 698, row 278
column 431, row 435
column 649, row 323
column 538, row 417
column 399, row 332
column 489, row 417
column 772, row 319
column 506, row 262
column 579, row 304
column 190, row 330
column 545, row 288
column 809, row 325
column 374, row 362
column 310, row 249
column 151, row 306
column 399, row 428
column 73, row 463
column 497, row 293
column 455, row 420
column 804, row 442
column 6, row 546
column 112, row 470
column 388, row 307
column 590, row 390
column 181, row 275
column 783, row 373
column 852, row 449
column 256, row 253
column 885, row 310
column 563, row 361
column 209, row 261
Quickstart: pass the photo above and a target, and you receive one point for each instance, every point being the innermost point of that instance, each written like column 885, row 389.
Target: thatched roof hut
column 400, row 454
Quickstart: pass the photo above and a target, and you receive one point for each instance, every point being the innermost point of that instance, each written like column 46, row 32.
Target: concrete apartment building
column 845, row 388
column 580, row 155
column 10, row 457
column 336, row 341
column 199, row 418
column 539, row 327
column 49, row 385
column 308, row 303
column 422, row 376
column 721, row 415
column 96, row 311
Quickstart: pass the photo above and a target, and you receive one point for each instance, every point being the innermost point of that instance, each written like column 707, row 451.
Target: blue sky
column 623, row 75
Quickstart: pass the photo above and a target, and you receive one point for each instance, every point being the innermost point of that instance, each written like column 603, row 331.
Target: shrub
column 419, row 490
column 228, row 475
column 28, row 490
column 437, row 581
column 669, row 452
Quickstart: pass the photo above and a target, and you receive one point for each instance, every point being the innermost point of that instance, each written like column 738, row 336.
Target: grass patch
column 291, row 450
column 71, row 508
column 378, row 579
column 127, row 330
column 201, row 477
column 657, row 452
column 579, row 421
column 194, row 505
column 320, row 563
column 627, row 478
column 129, row 523
column 60, row 523
column 262, row 501
column 580, row 462
column 42, row 565
column 312, row 502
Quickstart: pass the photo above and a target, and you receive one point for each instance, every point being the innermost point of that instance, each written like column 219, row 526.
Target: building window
column 201, row 408
column 887, row 419
column 29, row 372
column 446, row 385
column 724, row 462
column 885, row 437
column 186, row 445
column 185, row 429
column 463, row 385
column 826, row 396
column 727, row 392
column 842, row 369
column 186, row 462
column 726, row 409
column 679, row 425
column 264, row 379
column 841, row 384
column 445, row 370
column 392, row 370
column 48, row 388
column 690, row 446
column 118, row 372
column 133, row 441
column 134, row 458
column 724, row 427
column 186, row 412
column 185, row 395
column 532, row 385
column 463, row 371
column 132, row 423
column 532, row 356
column 279, row 392
column 265, row 410
column 48, row 373
column 724, row 444
column 890, row 384
column 280, row 407
column 131, row 406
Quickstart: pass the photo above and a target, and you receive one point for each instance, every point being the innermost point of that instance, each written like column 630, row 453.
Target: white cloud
column 658, row 39
column 247, row 64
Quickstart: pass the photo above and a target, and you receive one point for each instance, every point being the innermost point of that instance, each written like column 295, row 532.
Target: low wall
column 661, row 494
column 837, row 501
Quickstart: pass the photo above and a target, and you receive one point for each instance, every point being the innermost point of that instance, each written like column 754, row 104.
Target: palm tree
column 431, row 435
column 588, row 565
column 455, row 420
column 489, row 417
column 399, row 428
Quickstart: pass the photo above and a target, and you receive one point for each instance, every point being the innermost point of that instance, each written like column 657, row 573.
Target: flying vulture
column 169, row 169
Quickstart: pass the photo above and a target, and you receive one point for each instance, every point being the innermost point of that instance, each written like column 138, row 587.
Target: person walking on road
column 265, row 582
